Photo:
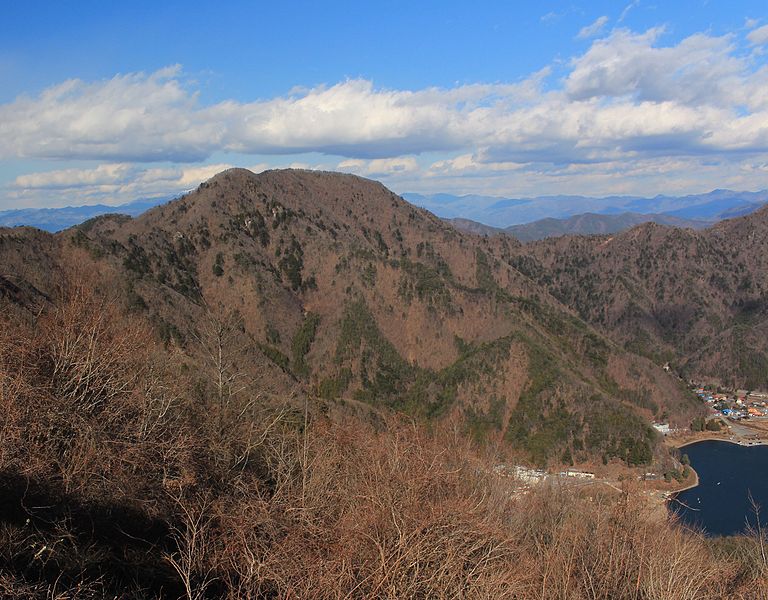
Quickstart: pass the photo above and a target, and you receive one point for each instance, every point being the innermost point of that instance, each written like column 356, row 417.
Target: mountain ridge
column 583, row 224
column 501, row 212
column 696, row 298
column 504, row 212
column 57, row 219
column 342, row 291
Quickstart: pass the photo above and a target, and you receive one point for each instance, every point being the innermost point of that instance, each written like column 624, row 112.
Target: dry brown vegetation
column 330, row 285
column 124, row 472
column 694, row 298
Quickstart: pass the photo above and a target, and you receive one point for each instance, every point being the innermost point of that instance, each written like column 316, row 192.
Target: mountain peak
column 232, row 174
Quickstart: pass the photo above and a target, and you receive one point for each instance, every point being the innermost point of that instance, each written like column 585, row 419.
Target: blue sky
column 103, row 103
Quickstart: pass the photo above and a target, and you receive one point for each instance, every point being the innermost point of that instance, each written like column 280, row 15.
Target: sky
column 108, row 102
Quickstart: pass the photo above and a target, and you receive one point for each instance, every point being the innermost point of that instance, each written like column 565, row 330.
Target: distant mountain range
column 626, row 211
column 57, row 219
column 527, row 219
column 586, row 224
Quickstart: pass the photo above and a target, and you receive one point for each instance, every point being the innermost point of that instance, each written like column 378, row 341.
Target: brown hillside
column 694, row 298
column 181, row 399
column 341, row 290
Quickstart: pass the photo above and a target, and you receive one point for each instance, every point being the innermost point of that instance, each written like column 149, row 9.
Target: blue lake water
column 728, row 474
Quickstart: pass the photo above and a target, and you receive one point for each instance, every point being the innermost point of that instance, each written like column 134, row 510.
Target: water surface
column 728, row 475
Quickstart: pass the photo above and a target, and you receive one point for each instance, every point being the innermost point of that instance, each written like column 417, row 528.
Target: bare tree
column 194, row 542
column 756, row 530
column 92, row 351
column 220, row 338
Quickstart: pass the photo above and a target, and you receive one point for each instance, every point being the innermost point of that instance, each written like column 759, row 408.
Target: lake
column 728, row 473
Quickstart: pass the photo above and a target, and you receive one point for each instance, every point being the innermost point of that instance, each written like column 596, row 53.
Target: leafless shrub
column 92, row 353
column 194, row 540
column 261, row 500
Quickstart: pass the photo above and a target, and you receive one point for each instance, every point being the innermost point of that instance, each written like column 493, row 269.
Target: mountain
column 586, row 224
column 56, row 219
column 505, row 212
column 471, row 206
column 591, row 224
column 336, row 288
column 697, row 299
column 473, row 227
column 542, row 213
column 295, row 384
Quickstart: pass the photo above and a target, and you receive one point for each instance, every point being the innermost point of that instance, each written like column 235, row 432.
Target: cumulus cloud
column 143, row 117
column 110, row 183
column 626, row 92
column 629, row 99
column 700, row 70
column 759, row 36
column 380, row 166
column 129, row 117
column 593, row 29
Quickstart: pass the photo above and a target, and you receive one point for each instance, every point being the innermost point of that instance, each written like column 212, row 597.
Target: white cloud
column 641, row 177
column 142, row 118
column 625, row 92
column 380, row 166
column 129, row 117
column 116, row 174
column 628, row 100
column 592, row 30
column 627, row 8
column 111, row 183
column 701, row 69
column 469, row 165
column 106, row 174
column 759, row 36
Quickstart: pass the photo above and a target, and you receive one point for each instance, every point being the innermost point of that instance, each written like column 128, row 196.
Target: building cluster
column 666, row 429
column 525, row 475
column 576, row 474
column 529, row 477
column 741, row 404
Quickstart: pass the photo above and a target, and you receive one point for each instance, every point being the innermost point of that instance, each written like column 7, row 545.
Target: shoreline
column 720, row 439
column 673, row 494
column 687, row 487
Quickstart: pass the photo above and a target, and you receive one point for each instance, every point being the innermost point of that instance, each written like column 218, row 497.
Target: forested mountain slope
column 694, row 298
column 340, row 290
